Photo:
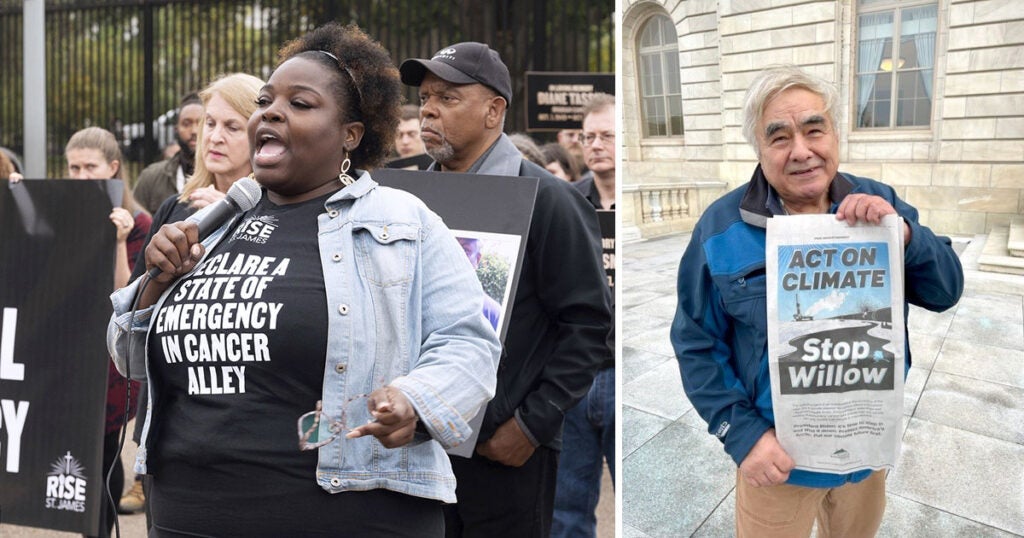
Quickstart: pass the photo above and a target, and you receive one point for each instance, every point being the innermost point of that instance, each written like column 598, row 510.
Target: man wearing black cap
column 561, row 319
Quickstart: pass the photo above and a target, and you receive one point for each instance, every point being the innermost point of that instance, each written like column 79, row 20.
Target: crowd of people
column 369, row 343
column 379, row 350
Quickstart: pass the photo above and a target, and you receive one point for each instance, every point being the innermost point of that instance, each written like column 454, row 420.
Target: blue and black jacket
column 720, row 328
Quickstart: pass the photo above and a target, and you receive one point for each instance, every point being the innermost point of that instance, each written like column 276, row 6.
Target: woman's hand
column 205, row 196
column 15, row 177
column 395, row 422
column 123, row 221
column 175, row 249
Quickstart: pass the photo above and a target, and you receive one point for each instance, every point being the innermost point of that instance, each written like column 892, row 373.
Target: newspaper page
column 836, row 340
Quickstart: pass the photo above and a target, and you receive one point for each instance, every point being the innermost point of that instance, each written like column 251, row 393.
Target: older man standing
column 720, row 327
column 561, row 318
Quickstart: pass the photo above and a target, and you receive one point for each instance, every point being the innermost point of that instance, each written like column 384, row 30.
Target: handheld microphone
column 243, row 195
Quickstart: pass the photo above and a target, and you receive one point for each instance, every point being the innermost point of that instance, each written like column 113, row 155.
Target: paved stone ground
column 961, row 471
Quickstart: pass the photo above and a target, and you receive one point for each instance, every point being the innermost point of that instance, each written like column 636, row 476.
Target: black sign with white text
column 56, row 272
column 555, row 101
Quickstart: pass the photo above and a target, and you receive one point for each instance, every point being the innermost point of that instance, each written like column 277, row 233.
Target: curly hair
column 367, row 81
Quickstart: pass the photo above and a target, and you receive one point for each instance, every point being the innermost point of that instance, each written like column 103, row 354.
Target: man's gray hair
column 598, row 102
column 775, row 80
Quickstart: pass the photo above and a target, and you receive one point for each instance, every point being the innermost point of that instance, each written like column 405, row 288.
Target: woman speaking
column 310, row 360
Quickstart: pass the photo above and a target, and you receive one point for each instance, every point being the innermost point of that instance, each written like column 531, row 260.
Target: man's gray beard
column 443, row 153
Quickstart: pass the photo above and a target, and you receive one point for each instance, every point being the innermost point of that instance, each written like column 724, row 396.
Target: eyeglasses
column 588, row 138
column 309, row 424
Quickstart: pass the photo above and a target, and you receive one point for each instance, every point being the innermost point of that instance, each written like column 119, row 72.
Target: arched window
column 661, row 103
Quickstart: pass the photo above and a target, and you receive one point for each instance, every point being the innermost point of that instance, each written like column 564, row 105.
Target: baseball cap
column 462, row 63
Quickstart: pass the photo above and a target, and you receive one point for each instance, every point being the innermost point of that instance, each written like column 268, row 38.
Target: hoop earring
column 343, row 177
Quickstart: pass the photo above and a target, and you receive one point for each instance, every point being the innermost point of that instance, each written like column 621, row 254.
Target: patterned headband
column 359, row 94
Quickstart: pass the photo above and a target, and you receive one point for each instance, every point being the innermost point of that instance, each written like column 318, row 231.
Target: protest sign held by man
column 720, row 328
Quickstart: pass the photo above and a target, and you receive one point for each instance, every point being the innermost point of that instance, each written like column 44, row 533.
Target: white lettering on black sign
column 13, row 414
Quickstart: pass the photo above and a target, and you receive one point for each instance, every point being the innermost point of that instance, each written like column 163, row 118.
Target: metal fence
column 124, row 65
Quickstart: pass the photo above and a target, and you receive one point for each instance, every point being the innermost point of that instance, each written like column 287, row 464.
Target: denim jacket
column 401, row 293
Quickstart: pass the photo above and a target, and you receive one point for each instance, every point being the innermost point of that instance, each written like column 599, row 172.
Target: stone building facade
column 932, row 101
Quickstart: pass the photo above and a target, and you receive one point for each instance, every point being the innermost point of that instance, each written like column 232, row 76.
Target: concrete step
column 1015, row 242
column 995, row 256
column 978, row 281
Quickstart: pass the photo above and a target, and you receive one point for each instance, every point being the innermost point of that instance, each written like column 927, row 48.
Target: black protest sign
column 56, row 272
column 416, row 162
column 497, row 204
column 555, row 100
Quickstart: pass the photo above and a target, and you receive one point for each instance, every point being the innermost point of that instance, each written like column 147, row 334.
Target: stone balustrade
column 654, row 209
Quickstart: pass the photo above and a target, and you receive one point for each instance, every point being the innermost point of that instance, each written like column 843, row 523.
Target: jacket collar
column 761, row 202
column 502, row 159
column 361, row 187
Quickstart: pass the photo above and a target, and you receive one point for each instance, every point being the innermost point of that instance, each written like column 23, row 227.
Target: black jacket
column 561, row 319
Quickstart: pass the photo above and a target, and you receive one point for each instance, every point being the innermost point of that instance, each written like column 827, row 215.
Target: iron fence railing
column 124, row 65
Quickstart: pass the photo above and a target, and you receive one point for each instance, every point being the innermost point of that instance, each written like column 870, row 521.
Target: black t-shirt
column 238, row 352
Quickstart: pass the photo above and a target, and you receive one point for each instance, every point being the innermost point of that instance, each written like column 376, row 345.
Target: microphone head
column 245, row 193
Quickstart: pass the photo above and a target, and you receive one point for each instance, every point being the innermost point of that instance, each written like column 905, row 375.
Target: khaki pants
column 785, row 511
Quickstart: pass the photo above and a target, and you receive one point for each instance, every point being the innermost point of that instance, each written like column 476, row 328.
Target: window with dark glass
column 661, row 103
column 895, row 63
